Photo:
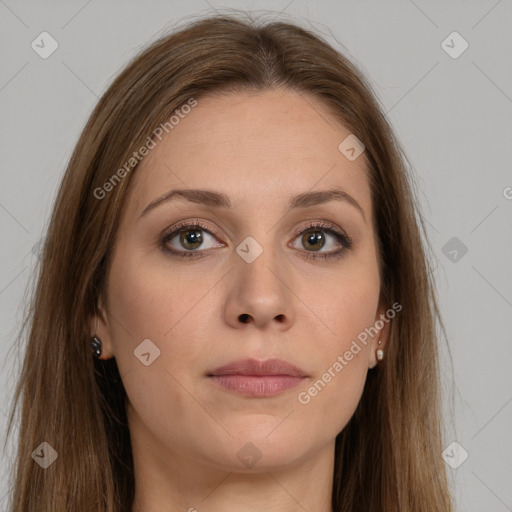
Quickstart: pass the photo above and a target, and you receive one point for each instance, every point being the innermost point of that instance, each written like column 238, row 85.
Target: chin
column 263, row 449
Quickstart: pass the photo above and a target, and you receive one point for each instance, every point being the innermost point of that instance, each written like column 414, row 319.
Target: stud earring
column 380, row 353
column 96, row 347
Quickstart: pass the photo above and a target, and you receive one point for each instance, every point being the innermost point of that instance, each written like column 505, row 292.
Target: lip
column 257, row 379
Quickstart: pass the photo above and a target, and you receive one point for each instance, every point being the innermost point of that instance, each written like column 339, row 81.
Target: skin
column 260, row 148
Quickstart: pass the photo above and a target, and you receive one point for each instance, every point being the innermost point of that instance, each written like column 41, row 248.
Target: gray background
column 452, row 115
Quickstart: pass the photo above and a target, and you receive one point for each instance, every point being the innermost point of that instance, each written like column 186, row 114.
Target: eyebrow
column 214, row 199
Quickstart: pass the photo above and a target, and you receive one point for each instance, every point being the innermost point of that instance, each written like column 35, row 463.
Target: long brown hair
column 388, row 456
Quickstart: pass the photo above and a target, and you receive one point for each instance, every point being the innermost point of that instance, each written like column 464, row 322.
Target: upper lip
column 255, row 367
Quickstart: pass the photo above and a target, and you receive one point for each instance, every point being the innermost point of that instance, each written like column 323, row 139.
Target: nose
column 260, row 294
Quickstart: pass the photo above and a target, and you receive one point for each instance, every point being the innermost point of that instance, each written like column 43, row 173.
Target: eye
column 184, row 239
column 318, row 236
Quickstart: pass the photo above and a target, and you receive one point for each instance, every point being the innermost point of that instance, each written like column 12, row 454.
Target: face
column 260, row 267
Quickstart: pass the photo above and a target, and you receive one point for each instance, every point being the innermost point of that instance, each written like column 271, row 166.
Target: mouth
column 257, row 379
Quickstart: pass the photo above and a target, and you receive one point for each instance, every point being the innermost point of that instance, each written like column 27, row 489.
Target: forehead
column 255, row 146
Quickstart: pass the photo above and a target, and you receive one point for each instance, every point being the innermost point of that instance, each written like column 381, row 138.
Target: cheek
column 347, row 309
column 156, row 303
column 346, row 306
column 174, row 312
column 147, row 304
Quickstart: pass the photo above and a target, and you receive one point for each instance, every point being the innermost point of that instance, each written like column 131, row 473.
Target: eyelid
column 188, row 224
column 321, row 224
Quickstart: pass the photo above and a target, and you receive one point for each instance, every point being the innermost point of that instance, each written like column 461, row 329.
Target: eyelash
column 345, row 240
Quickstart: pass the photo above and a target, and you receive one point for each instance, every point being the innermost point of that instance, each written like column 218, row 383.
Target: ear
column 99, row 326
column 382, row 324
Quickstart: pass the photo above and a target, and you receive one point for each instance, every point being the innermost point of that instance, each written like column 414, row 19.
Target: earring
column 380, row 353
column 96, row 347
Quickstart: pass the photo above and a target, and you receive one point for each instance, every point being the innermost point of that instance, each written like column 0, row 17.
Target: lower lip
column 257, row 385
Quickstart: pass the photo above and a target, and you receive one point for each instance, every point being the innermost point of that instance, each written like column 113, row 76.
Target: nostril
column 244, row 318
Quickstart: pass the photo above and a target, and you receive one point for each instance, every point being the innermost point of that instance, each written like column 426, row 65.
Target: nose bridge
column 261, row 288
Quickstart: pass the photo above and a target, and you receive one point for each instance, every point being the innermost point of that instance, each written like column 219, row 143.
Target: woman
column 236, row 240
